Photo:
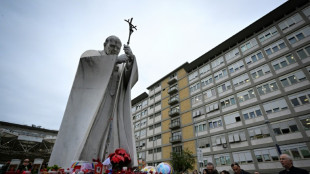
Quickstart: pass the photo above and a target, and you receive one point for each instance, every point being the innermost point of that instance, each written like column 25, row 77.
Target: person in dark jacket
column 237, row 170
column 210, row 169
column 26, row 166
column 287, row 163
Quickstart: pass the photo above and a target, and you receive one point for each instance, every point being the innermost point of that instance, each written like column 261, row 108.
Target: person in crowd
column 237, row 170
column 195, row 171
column 5, row 167
column 26, row 166
column 224, row 172
column 256, row 172
column 210, row 169
column 287, row 163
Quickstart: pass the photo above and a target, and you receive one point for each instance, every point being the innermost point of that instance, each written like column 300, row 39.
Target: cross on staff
column 131, row 27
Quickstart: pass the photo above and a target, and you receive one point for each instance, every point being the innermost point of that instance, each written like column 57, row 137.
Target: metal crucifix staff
column 131, row 27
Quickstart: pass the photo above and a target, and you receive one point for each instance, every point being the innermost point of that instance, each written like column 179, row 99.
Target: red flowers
column 120, row 158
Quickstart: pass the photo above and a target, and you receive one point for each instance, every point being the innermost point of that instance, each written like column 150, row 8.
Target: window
column 236, row 137
column 144, row 113
column 297, row 151
column 232, row 118
column 176, row 135
column 220, row 74
column 203, row 143
column 157, row 103
column 289, row 22
column 243, row 157
column 157, row 137
column 292, row 78
column 209, row 93
column 193, row 76
column 229, row 101
column 254, row 57
column 252, row 112
column 217, row 62
column 240, row 80
column 197, row 112
column 246, row 95
column 304, row 52
column 157, row 150
column 157, row 94
column 299, row 99
column 215, row 123
column 143, row 122
column 218, row 140
column 195, row 87
column 175, row 109
column 307, row 11
column 144, row 103
column 139, row 106
column 305, row 121
column 151, row 127
column 275, row 47
column 206, row 81
column 258, row 132
column 143, row 132
column 267, row 87
column 232, row 54
column 157, row 114
column 157, row 125
column 260, row 71
column 205, row 69
column 224, row 87
column 173, row 75
column 175, row 122
column 201, row 127
column 177, row 149
column 275, row 106
column 133, row 109
column 222, row 159
column 283, row 62
column 266, row 154
column 284, row 127
column 268, row 34
column 197, row 99
column 137, row 125
column 236, row 66
column 248, row 45
column 298, row 35
column 212, row 107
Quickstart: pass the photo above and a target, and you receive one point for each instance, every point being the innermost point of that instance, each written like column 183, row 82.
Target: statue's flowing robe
column 97, row 118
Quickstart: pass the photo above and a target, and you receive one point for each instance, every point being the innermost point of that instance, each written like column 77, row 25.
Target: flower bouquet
column 119, row 159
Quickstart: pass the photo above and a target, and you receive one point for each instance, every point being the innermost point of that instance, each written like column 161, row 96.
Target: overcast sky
column 41, row 42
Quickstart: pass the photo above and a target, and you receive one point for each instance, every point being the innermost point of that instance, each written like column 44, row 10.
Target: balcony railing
column 172, row 80
column 173, row 101
column 175, row 125
column 176, row 139
column 173, row 90
column 174, row 112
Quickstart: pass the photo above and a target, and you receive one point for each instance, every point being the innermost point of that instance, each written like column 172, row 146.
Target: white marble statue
column 98, row 119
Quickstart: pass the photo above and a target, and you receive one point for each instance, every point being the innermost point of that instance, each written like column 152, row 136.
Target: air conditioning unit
column 225, row 145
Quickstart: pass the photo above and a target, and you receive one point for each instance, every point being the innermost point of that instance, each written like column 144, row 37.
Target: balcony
column 172, row 80
column 174, row 112
column 173, row 101
column 173, row 90
column 175, row 125
column 176, row 139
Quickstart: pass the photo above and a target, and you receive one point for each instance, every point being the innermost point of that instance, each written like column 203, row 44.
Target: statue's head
column 112, row 45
